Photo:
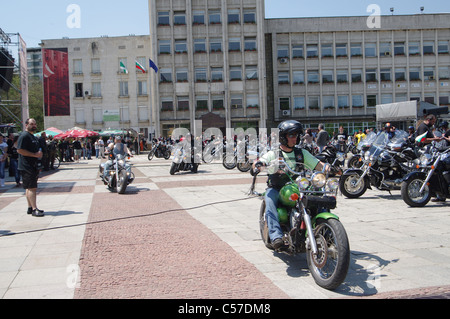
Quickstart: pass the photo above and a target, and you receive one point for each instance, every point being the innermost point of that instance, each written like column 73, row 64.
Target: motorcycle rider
column 117, row 148
column 289, row 137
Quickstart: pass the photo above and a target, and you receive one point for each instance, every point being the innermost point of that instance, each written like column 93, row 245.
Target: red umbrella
column 75, row 133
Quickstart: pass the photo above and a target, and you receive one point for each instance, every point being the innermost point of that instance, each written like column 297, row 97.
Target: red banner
column 56, row 82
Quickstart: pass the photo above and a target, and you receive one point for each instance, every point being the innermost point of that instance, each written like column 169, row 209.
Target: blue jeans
column 2, row 170
column 14, row 163
column 271, row 198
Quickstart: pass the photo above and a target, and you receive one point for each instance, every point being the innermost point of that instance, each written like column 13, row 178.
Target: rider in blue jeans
column 289, row 136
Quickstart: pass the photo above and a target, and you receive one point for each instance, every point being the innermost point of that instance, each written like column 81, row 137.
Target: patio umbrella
column 75, row 133
column 53, row 131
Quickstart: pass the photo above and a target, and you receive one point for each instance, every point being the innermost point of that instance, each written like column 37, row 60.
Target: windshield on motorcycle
column 398, row 139
column 377, row 147
column 367, row 141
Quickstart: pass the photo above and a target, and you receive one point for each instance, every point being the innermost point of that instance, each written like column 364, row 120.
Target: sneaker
column 438, row 199
column 30, row 210
column 37, row 213
column 277, row 243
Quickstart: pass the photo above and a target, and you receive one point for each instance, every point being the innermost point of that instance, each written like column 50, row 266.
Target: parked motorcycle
column 181, row 162
column 331, row 155
column 119, row 175
column 385, row 165
column 160, row 150
column 431, row 180
column 358, row 152
column 309, row 226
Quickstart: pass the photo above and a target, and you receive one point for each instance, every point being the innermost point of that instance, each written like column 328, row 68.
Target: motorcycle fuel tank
column 285, row 195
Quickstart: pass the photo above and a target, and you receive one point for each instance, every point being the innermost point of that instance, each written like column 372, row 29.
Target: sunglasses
column 292, row 135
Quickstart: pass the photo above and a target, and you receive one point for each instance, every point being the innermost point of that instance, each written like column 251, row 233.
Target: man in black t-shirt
column 426, row 127
column 29, row 152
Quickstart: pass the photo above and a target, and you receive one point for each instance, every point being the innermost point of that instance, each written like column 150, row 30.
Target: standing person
column 51, row 148
column 97, row 149
column 424, row 133
column 77, row 149
column 29, row 153
column 3, row 157
column 43, row 146
column 14, row 160
column 101, row 147
column 322, row 137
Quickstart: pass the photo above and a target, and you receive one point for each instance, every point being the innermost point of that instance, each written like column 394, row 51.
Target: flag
column 140, row 67
column 153, row 66
column 421, row 138
column 47, row 72
column 123, row 69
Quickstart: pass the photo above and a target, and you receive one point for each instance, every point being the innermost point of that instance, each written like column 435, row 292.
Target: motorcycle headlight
column 318, row 180
column 122, row 162
column 367, row 155
column 333, row 184
column 302, row 182
column 340, row 156
column 424, row 159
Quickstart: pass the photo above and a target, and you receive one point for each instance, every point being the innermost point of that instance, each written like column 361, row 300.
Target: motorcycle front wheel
column 173, row 168
column 122, row 182
column 150, row 155
column 229, row 162
column 329, row 266
column 244, row 167
column 349, row 186
column 411, row 194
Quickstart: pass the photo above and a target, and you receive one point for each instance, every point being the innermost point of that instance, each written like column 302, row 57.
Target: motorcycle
column 431, row 180
column 180, row 161
column 159, row 150
column 119, row 176
column 309, row 226
column 385, row 165
column 358, row 152
column 331, row 155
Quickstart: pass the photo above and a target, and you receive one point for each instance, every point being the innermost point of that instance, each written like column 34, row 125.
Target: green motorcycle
column 304, row 213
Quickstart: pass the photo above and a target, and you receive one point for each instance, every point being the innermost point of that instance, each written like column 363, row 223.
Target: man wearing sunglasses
column 296, row 158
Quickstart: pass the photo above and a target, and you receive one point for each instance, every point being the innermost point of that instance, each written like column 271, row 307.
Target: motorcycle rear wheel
column 263, row 227
column 330, row 266
column 411, row 195
column 229, row 164
column 166, row 154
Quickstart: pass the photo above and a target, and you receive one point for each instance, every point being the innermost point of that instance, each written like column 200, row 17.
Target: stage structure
column 13, row 60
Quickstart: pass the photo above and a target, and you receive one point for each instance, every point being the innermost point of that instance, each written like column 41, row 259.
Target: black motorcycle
column 433, row 179
column 385, row 165
column 160, row 150
column 331, row 155
column 184, row 161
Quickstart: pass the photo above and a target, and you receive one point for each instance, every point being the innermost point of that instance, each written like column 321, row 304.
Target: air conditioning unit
column 87, row 94
column 286, row 112
column 283, row 60
column 387, row 53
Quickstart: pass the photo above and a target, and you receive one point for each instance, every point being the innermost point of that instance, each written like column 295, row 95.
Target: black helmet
column 289, row 127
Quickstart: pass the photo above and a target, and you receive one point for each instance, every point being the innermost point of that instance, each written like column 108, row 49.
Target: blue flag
column 153, row 66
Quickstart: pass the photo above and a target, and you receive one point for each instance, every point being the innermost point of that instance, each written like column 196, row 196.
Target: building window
column 79, row 90
column 313, row 102
column 199, row 45
column 429, row 98
column 356, row 49
column 164, row 47
column 399, row 48
column 400, row 97
column 385, row 48
column 327, row 50
column 370, row 50
column 342, row 76
column 142, row 113
column 234, row 16
column 283, row 51
column 443, row 47
column 123, row 88
column 299, row 103
column 98, row 115
column 428, row 47
column 283, row 77
column 78, row 67
column 250, row 44
column 385, row 75
column 371, row 100
column 313, row 76
column 235, row 73
column 285, row 103
column 428, row 74
column 297, row 51
column 312, row 51
column 252, row 100
column 299, row 77
column 444, row 73
column 414, row 74
column 183, row 103
column 182, row 75
column 179, row 18
column 251, row 72
column 444, row 99
column 250, row 16
column 357, row 101
column 166, row 75
column 198, row 17
column 214, row 17
column 216, row 74
column 356, row 75
column 215, row 45
column 217, row 102
column 166, row 104
column 328, row 102
column 371, row 75
column 79, row 116
column 201, row 103
column 400, row 74
column 96, row 89
column 234, row 45
column 386, row 98
column 180, row 46
column 327, row 76
column 125, row 114
column 236, row 101
column 163, row 18
column 414, row 48
column 343, row 101
column 95, row 66
column 341, row 50
column 200, row 75
column 142, row 88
